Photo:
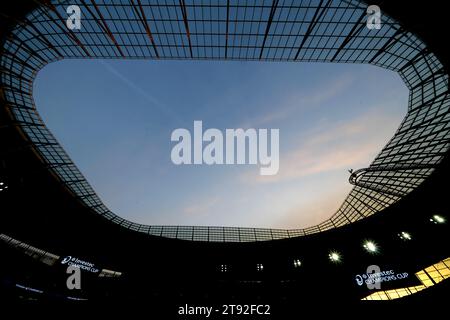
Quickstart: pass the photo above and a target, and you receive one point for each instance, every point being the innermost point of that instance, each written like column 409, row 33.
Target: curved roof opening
column 115, row 119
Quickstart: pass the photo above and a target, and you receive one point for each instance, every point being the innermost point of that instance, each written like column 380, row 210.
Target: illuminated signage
column 378, row 276
column 83, row 265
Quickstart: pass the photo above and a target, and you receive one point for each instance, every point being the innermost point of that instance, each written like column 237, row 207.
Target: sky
column 115, row 118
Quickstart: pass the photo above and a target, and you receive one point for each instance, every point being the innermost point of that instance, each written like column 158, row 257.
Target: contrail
column 152, row 100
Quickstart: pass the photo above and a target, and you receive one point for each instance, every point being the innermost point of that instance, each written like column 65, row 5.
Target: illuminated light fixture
column 370, row 246
column 259, row 267
column 334, row 256
column 297, row 263
column 3, row 187
column 28, row 288
column 437, row 219
column 76, row 299
column 405, row 235
column 223, row 268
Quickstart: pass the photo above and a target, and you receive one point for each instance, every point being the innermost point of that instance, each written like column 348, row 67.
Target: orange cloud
column 345, row 145
column 203, row 208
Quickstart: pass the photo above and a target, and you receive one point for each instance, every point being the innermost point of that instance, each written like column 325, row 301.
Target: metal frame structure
column 266, row 30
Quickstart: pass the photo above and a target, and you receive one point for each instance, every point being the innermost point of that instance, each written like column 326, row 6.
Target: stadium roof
column 294, row 31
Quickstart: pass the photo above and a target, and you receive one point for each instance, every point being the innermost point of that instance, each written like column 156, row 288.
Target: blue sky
column 115, row 118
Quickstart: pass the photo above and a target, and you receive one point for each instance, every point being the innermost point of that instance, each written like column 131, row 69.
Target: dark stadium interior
column 38, row 210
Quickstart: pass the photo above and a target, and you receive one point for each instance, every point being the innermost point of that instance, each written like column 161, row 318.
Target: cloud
column 314, row 210
column 303, row 100
column 202, row 208
column 350, row 144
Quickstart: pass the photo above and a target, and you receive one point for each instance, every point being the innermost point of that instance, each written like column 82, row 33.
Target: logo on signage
column 374, row 276
column 83, row 265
